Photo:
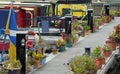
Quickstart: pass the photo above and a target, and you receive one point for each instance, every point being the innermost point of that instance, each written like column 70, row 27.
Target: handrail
column 108, row 64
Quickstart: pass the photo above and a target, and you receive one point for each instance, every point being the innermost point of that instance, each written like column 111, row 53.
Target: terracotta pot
column 114, row 44
column 37, row 64
column 98, row 63
column 103, row 60
column 109, row 18
column 107, row 54
column 94, row 28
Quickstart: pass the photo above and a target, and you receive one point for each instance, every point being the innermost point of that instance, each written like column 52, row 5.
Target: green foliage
column 96, row 22
column 12, row 64
column 97, row 52
column 57, row 23
column 74, row 38
column 108, row 47
column 86, row 27
column 114, row 12
column 104, row 19
column 81, row 64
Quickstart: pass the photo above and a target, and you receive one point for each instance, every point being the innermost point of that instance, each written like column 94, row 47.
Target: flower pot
column 69, row 44
column 109, row 18
column 107, row 54
column 37, row 64
column 103, row 60
column 95, row 28
column 61, row 48
column 55, row 51
column 114, row 44
column 98, row 63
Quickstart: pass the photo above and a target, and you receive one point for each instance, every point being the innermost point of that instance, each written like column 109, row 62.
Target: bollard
column 88, row 50
column 68, row 23
column 107, row 8
column 90, row 19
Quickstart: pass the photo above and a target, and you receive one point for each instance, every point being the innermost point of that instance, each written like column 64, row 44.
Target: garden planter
column 61, row 48
column 103, row 60
column 37, row 64
column 87, row 32
column 114, row 44
column 95, row 28
column 109, row 19
column 54, row 51
column 98, row 63
column 69, row 44
column 12, row 67
column 83, row 34
column 107, row 54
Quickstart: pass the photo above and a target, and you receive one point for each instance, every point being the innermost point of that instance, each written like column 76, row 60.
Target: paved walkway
column 56, row 66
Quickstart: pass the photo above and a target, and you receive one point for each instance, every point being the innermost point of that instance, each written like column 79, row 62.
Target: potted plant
column 74, row 39
column 37, row 57
column 83, row 65
column 68, row 40
column 86, row 29
column 60, row 43
column 104, row 19
column 96, row 25
column 112, row 35
column 112, row 39
column 57, row 23
column 109, row 18
column 107, row 50
column 12, row 66
column 54, row 50
column 97, row 55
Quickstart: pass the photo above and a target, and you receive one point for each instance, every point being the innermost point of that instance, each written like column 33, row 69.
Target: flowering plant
column 38, row 55
column 15, row 64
